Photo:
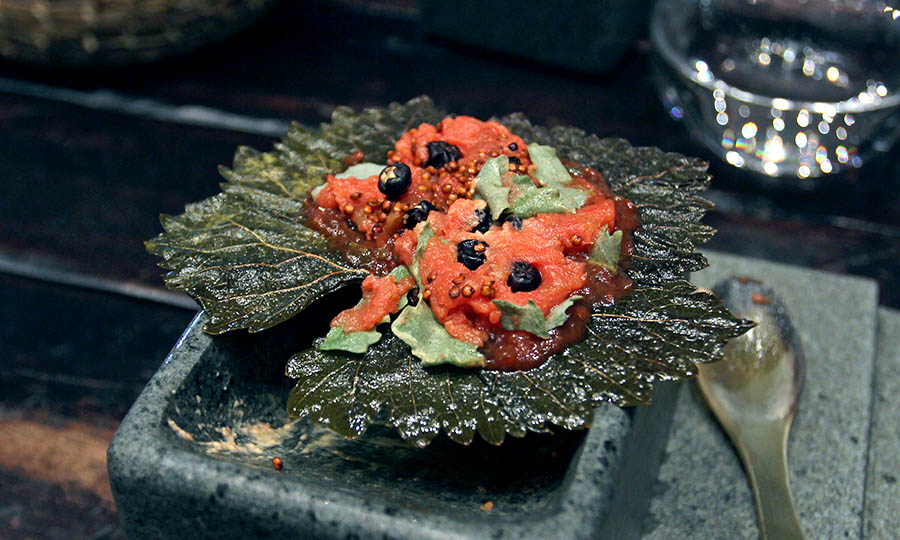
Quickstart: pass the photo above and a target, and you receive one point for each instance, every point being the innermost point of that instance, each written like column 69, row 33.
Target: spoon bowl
column 754, row 392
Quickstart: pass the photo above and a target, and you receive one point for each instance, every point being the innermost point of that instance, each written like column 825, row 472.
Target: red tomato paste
column 470, row 260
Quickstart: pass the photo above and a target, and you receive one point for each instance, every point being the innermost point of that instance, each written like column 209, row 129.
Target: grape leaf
column 656, row 334
column 251, row 264
column 243, row 255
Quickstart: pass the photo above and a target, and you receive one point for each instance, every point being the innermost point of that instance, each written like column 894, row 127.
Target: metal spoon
column 754, row 392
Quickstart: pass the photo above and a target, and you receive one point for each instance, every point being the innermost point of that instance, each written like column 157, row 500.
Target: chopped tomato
column 380, row 298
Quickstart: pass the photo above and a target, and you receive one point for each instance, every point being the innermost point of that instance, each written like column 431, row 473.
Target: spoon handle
column 763, row 448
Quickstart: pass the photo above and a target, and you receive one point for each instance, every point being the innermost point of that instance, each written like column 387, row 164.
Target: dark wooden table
column 89, row 159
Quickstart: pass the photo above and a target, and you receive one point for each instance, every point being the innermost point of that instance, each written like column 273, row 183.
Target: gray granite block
column 193, row 459
column 701, row 490
column 882, row 510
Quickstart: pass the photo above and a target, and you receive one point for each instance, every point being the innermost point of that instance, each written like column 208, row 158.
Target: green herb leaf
column 430, row 341
column 558, row 315
column 607, row 250
column 356, row 342
column 399, row 273
column 531, row 200
column 421, row 243
column 362, row 171
column 530, row 318
column 489, row 184
column 549, row 170
column 338, row 339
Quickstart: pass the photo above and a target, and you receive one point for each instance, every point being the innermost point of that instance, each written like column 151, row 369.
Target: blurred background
column 114, row 111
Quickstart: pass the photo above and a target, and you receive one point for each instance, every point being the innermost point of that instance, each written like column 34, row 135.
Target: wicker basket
column 112, row 32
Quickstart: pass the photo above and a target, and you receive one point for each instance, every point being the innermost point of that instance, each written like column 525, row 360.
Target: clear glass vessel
column 787, row 88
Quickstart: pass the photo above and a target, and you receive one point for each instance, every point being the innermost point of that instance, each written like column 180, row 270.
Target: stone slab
column 882, row 511
column 194, row 456
column 701, row 489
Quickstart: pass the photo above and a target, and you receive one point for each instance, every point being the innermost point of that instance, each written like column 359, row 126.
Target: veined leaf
column 243, row 255
column 248, row 264
column 251, row 264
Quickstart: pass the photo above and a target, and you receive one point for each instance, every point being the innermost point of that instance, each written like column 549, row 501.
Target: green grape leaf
column 243, row 254
column 251, row 263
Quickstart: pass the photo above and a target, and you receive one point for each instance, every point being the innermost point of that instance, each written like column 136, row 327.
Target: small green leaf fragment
column 532, row 200
column 399, row 273
column 429, row 340
column 554, row 195
column 489, row 184
column 549, row 169
column 607, row 248
column 531, row 319
column 422, row 243
column 356, row 342
column 558, row 315
column 361, row 171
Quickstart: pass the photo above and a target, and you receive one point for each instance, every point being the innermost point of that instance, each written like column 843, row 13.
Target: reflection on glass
column 796, row 88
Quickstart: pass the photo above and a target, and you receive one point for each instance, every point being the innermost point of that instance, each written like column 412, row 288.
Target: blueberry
column 441, row 153
column 394, row 180
column 417, row 214
column 524, row 277
column 413, row 296
column 513, row 147
column 484, row 220
column 471, row 253
column 515, row 160
column 515, row 220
